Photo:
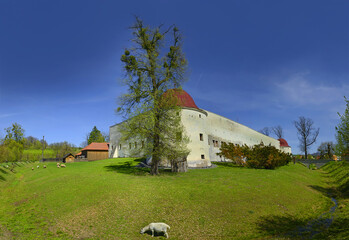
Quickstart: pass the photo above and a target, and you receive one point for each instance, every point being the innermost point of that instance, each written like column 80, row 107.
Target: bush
column 258, row 156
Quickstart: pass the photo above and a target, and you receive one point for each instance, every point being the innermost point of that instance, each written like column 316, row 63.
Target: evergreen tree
column 342, row 135
column 153, row 65
column 95, row 136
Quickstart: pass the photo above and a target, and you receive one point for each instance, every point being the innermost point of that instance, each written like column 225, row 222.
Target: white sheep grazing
column 32, row 168
column 62, row 165
column 37, row 166
column 44, row 166
column 157, row 227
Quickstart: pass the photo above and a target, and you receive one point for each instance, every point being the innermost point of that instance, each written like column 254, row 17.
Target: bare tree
column 307, row 134
column 278, row 131
column 265, row 131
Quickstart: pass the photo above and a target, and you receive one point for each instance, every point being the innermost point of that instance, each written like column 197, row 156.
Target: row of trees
column 307, row 135
column 14, row 143
column 306, row 132
column 11, row 147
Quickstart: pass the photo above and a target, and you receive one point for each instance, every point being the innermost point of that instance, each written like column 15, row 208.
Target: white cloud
column 300, row 90
column 5, row 115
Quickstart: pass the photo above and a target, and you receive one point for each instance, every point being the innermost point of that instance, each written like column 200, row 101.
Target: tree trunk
column 305, row 152
column 155, row 155
column 179, row 165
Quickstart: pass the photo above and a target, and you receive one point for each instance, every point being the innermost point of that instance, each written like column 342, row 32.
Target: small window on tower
column 135, row 144
column 202, row 156
column 119, row 146
column 201, row 137
column 142, row 144
column 130, row 145
column 199, row 115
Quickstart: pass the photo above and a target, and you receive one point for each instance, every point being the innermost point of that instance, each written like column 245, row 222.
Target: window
column 202, row 156
column 215, row 143
column 130, row 145
column 135, row 144
column 142, row 144
column 119, row 146
column 201, row 137
column 199, row 115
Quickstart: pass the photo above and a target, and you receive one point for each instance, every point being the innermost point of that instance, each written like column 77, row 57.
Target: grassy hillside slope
column 337, row 175
column 110, row 199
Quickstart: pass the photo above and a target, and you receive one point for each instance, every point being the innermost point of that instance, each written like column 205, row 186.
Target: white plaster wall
column 219, row 129
column 233, row 132
column 286, row 149
column 214, row 128
column 114, row 138
column 195, row 123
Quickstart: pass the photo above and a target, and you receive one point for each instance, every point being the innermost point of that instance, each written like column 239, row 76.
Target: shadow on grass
column 2, row 178
column 227, row 164
column 130, row 167
column 156, row 234
column 290, row 227
column 328, row 191
column 338, row 230
column 282, row 226
column 127, row 168
column 3, row 171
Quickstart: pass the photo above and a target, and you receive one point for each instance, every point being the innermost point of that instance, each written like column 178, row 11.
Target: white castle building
column 206, row 130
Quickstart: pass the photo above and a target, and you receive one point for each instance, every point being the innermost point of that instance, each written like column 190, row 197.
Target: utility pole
column 43, row 147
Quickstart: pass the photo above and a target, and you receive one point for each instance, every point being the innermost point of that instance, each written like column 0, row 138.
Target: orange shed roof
column 97, row 146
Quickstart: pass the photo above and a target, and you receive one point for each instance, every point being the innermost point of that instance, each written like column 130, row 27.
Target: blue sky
column 261, row 63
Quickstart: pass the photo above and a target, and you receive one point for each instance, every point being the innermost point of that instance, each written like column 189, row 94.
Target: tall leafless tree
column 265, row 131
column 307, row 134
column 278, row 131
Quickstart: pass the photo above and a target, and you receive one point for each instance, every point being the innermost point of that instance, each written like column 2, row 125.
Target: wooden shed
column 96, row 151
column 68, row 158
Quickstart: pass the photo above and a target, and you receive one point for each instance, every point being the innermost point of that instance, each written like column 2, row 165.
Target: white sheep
column 157, row 227
column 37, row 166
column 44, row 166
column 62, row 165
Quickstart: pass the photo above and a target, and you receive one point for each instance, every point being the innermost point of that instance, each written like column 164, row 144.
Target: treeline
column 15, row 147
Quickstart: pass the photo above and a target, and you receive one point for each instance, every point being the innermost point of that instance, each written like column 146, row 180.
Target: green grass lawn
column 110, row 199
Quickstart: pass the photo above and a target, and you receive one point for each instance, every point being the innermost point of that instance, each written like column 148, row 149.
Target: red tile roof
column 185, row 100
column 97, row 146
column 283, row 142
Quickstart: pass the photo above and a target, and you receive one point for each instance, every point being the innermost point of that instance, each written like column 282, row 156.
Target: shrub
column 258, row 156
